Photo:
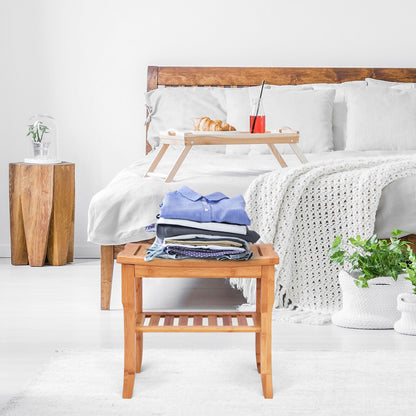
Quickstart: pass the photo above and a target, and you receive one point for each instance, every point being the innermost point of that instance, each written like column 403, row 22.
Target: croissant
column 206, row 124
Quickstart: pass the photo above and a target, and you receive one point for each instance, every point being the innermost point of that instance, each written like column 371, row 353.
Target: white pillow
column 176, row 107
column 381, row 119
column 381, row 83
column 305, row 110
column 238, row 97
column 339, row 117
column 238, row 112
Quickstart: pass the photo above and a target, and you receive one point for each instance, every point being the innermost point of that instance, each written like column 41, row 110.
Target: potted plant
column 37, row 130
column 406, row 302
column 375, row 273
column 43, row 146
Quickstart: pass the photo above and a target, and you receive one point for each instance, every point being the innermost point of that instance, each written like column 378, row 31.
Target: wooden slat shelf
column 197, row 322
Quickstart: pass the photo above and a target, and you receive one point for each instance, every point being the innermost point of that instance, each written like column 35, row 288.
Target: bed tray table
column 196, row 138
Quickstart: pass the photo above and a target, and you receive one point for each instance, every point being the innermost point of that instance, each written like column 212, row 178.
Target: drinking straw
column 258, row 106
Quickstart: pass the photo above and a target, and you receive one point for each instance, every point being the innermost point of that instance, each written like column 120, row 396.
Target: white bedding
column 119, row 212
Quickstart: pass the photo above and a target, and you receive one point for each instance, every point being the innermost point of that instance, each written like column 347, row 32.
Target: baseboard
column 4, row 250
column 80, row 251
column 87, row 251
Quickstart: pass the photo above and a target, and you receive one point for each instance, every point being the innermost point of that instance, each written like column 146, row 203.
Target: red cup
column 260, row 126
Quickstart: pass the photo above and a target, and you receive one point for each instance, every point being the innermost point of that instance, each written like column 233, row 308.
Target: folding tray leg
column 298, row 152
column 277, row 155
column 157, row 159
column 179, row 162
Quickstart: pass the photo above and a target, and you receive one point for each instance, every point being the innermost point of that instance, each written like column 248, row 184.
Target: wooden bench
column 137, row 321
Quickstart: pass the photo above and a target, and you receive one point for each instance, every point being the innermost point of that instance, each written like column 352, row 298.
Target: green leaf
column 397, row 232
column 354, row 241
column 337, row 241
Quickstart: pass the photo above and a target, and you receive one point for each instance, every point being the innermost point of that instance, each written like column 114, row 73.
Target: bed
column 233, row 78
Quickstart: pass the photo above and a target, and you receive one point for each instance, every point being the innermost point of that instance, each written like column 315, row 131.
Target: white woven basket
column 374, row 307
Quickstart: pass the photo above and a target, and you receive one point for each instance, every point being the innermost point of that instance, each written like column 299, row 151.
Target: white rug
column 225, row 382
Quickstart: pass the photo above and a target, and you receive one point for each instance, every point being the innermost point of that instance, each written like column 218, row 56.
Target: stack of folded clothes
column 205, row 227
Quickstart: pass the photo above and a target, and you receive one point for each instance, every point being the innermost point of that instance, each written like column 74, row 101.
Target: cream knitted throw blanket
column 301, row 210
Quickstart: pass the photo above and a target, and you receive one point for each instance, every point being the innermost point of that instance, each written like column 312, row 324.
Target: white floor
column 54, row 308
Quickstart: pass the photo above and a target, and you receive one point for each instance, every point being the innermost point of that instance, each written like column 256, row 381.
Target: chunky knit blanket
column 301, row 210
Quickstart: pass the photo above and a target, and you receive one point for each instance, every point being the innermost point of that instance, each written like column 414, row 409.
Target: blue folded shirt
column 187, row 204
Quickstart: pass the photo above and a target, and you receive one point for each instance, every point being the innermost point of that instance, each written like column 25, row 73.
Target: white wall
column 84, row 62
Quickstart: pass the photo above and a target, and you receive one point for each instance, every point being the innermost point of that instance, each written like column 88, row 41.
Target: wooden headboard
column 177, row 76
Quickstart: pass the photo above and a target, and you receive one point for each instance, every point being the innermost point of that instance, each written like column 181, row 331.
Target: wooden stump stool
column 136, row 321
column 42, row 203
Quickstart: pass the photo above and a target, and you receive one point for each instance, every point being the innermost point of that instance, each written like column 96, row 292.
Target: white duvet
column 119, row 212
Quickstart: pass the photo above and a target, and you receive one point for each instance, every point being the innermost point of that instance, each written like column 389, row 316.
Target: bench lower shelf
column 197, row 322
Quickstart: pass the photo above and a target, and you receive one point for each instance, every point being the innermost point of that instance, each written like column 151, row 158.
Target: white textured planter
column 374, row 307
column 406, row 304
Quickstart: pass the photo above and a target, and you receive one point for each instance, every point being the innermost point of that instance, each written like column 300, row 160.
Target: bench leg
column 139, row 335
column 139, row 351
column 128, row 290
column 258, row 314
column 267, row 299
column 107, row 266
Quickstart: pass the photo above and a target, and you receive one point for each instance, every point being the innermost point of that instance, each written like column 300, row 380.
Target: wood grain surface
column 248, row 76
column 42, row 206
column 137, row 322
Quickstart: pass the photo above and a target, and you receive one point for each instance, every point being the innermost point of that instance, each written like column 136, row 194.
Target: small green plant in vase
column 375, row 271
column 42, row 147
column 37, row 130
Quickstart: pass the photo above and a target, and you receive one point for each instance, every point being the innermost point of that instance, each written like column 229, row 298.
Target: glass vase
column 42, row 146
